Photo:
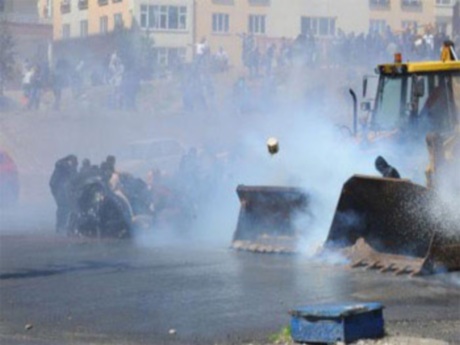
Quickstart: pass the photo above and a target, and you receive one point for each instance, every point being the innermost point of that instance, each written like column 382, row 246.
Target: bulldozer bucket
column 267, row 218
column 394, row 225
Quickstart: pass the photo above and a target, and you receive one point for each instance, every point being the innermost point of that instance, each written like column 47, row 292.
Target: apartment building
column 170, row 24
column 444, row 13
column 31, row 32
column 81, row 18
column 222, row 23
column 322, row 18
column 176, row 26
column 401, row 14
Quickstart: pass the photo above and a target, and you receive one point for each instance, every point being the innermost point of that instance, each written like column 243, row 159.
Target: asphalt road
column 76, row 291
column 57, row 290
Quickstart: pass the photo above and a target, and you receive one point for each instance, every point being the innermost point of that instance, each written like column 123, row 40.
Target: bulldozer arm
column 394, row 225
column 267, row 218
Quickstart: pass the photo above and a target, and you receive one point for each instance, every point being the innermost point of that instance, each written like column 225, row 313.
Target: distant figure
column 386, row 169
column 65, row 170
column 108, row 168
column 85, row 166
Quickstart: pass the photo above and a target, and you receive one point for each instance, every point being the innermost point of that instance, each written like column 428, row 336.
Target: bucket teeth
column 388, row 268
column 374, row 265
column 404, row 270
column 359, row 263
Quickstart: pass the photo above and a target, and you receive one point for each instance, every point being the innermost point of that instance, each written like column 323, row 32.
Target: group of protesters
column 340, row 49
column 169, row 199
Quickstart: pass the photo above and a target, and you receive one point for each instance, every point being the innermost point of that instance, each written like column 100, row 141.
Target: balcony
column 65, row 6
column 224, row 2
column 259, row 2
column 411, row 5
column 444, row 3
column 103, row 2
column 116, row 1
column 380, row 4
column 82, row 4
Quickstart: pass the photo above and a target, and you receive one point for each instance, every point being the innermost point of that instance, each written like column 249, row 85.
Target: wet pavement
column 58, row 290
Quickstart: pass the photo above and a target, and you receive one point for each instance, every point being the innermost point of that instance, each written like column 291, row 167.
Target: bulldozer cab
column 417, row 98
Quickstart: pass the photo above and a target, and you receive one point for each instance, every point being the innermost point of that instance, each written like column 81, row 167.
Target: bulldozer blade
column 394, row 225
column 267, row 218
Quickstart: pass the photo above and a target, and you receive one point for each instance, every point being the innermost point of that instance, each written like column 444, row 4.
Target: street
column 71, row 291
column 189, row 288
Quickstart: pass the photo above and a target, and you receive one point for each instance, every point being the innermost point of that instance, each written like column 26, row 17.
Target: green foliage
column 283, row 336
column 136, row 49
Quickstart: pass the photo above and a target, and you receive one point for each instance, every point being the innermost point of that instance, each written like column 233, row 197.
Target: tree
column 136, row 49
column 6, row 55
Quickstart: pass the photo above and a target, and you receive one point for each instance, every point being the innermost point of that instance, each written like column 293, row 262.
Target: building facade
column 177, row 26
column 32, row 33
column 82, row 18
column 171, row 26
column 399, row 15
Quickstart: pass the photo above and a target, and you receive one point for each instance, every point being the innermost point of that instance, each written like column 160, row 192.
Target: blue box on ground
column 329, row 323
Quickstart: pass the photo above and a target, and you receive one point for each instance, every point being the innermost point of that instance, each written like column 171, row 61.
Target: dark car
column 9, row 180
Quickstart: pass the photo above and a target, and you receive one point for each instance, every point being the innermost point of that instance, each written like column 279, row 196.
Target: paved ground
column 55, row 290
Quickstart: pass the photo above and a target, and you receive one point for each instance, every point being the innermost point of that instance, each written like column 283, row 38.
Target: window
column 2, row 5
column 411, row 3
column 383, row 3
column 103, row 24
column 65, row 6
column 256, row 24
column 220, row 22
column 441, row 27
column 377, row 25
column 169, row 56
column 83, row 4
column 443, row 2
column 322, row 26
column 65, row 30
column 118, row 20
column 83, row 28
column 144, row 16
column 163, row 17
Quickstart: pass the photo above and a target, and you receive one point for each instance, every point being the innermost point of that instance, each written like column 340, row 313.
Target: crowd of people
column 340, row 50
column 38, row 79
column 89, row 196
column 262, row 58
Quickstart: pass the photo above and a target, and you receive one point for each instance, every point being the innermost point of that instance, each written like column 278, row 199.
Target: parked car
column 9, row 180
column 141, row 156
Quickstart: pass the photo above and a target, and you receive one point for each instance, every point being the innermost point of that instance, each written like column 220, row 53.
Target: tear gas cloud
column 313, row 153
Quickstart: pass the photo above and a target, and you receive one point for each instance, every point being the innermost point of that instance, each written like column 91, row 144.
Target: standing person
column 65, row 170
column 27, row 75
column 130, row 86
column 35, row 88
column 269, row 56
column 57, row 84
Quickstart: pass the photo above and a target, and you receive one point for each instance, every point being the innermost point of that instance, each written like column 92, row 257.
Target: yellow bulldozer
column 384, row 222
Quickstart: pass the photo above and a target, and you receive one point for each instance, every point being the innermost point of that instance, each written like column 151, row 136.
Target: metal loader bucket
column 394, row 225
column 266, row 221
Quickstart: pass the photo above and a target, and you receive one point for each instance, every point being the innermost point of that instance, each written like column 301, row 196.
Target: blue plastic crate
column 329, row 323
